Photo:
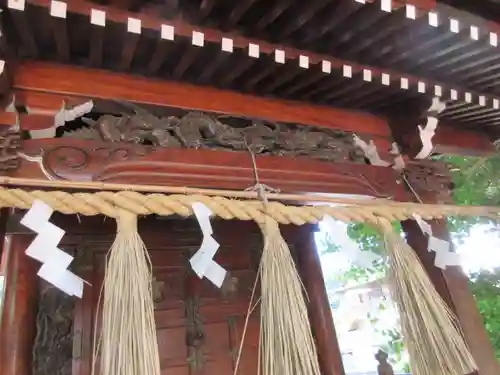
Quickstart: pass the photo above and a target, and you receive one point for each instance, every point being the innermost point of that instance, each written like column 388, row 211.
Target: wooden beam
column 8, row 119
column 452, row 285
column 42, row 88
column 451, row 140
column 433, row 186
column 77, row 160
column 51, row 78
column 185, row 29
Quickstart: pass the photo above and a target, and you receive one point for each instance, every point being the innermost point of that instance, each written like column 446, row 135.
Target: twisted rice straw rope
column 109, row 203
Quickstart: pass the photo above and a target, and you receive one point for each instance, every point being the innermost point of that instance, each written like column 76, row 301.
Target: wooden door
column 199, row 327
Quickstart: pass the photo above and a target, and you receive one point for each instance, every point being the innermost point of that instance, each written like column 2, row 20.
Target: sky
column 481, row 250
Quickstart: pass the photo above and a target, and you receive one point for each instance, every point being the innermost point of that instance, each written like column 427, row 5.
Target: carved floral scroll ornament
column 70, row 159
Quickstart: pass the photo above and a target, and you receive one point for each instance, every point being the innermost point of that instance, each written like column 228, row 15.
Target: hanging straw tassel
column 430, row 330
column 286, row 342
column 128, row 335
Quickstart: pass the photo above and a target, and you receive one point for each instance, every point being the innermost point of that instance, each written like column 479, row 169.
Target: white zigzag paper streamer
column 202, row 261
column 64, row 115
column 371, row 153
column 363, row 259
column 427, row 133
column 44, row 248
column 444, row 256
column 399, row 163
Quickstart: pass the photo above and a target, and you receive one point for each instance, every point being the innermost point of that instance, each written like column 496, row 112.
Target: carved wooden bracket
column 431, row 180
column 65, row 159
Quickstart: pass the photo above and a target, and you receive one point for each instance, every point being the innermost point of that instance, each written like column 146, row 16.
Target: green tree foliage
column 485, row 286
column 477, row 182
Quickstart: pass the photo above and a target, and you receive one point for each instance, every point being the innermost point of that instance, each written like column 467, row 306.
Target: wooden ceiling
column 488, row 9
column 340, row 31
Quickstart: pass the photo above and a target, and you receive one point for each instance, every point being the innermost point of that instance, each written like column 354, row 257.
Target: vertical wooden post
column 18, row 321
column 418, row 241
column 433, row 185
column 320, row 312
column 452, row 285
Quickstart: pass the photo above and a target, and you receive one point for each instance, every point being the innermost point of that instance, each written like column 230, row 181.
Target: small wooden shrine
column 317, row 98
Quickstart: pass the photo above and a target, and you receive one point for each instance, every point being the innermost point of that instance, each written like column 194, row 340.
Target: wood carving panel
column 431, row 180
column 53, row 347
column 63, row 159
column 200, row 130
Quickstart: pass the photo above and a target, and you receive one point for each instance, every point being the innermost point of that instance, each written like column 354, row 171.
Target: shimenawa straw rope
column 108, row 203
column 127, row 343
column 268, row 215
column 430, row 330
column 286, row 344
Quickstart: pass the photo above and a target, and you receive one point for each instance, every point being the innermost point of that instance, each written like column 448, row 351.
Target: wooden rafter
column 185, row 29
column 125, row 4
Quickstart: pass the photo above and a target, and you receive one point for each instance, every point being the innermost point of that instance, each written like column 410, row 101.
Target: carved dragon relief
column 199, row 130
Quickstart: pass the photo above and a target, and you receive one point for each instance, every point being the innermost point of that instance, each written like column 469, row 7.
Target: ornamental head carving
column 10, row 145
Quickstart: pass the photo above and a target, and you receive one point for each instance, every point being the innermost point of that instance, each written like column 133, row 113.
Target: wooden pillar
column 452, row 285
column 320, row 312
column 18, row 321
column 434, row 186
column 418, row 241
